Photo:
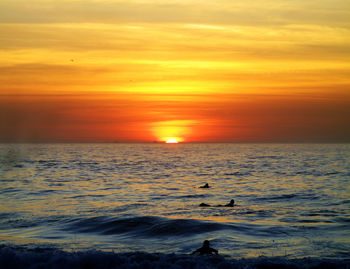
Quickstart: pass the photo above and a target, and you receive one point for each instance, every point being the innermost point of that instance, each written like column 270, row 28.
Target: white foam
column 20, row 257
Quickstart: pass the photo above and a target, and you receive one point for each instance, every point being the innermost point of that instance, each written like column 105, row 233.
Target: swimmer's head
column 206, row 243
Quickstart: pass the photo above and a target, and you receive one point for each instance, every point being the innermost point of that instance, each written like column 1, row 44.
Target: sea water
column 291, row 200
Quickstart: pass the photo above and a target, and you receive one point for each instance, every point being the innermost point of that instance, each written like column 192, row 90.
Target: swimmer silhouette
column 205, row 186
column 205, row 249
column 230, row 204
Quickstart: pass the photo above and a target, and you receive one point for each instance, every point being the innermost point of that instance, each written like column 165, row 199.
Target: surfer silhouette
column 205, row 249
column 230, row 204
column 205, row 186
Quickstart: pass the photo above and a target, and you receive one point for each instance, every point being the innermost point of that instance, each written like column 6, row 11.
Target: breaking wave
column 50, row 258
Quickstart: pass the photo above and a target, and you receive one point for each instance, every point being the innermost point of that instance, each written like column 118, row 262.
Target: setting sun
column 174, row 131
column 172, row 140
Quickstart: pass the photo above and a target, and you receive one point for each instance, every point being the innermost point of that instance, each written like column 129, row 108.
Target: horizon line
column 161, row 142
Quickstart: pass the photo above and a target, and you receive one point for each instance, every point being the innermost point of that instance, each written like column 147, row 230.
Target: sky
column 196, row 71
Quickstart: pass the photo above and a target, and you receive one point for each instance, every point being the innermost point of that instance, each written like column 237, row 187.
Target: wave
column 160, row 227
column 148, row 227
column 238, row 173
column 273, row 157
column 16, row 257
column 191, row 196
column 143, row 226
column 290, row 196
column 9, row 190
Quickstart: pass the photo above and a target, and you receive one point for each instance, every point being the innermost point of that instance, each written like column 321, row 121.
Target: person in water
column 230, row 204
column 205, row 249
column 205, row 186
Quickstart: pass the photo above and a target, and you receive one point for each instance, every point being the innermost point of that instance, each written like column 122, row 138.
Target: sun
column 170, row 132
column 172, row 140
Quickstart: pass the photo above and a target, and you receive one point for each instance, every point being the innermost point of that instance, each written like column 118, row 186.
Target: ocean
column 292, row 201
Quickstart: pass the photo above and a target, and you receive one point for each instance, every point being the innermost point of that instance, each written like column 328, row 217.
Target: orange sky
column 143, row 70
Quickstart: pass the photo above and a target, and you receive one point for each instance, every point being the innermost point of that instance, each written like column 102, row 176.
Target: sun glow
column 172, row 132
column 172, row 140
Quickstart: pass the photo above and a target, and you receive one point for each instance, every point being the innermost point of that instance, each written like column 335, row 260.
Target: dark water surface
column 291, row 199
